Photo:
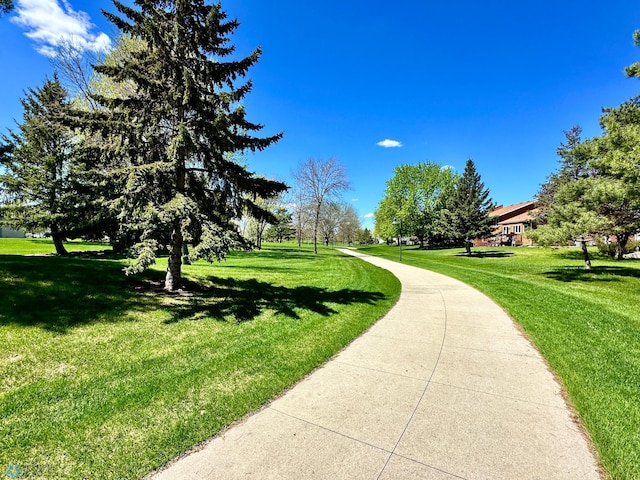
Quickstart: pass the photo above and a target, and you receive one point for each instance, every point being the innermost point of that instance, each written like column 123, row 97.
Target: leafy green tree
column 364, row 236
column 172, row 144
column 283, row 228
column 388, row 212
column 416, row 195
column 38, row 167
column 466, row 216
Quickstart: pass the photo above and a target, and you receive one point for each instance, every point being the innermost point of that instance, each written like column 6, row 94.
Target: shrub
column 609, row 249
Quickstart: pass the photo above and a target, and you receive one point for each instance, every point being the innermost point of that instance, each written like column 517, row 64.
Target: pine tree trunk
column 467, row 246
column 585, row 254
column 57, row 241
column 174, row 268
column 173, row 279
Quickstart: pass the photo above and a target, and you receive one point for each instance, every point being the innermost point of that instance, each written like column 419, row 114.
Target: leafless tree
column 75, row 67
column 300, row 214
column 317, row 182
column 331, row 216
column 349, row 225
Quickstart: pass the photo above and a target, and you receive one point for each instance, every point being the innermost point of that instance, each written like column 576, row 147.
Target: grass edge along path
column 103, row 377
column 585, row 324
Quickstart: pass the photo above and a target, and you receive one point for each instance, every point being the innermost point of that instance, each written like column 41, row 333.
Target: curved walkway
column 443, row 387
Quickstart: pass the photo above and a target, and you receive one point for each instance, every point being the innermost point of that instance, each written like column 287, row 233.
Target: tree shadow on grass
column 58, row 293
column 239, row 301
column 486, row 254
column 230, row 299
column 596, row 274
column 286, row 253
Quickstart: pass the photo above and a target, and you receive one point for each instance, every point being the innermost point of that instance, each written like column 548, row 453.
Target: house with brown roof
column 511, row 222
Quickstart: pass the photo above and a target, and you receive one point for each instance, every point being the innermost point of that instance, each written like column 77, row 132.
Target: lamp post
column 398, row 221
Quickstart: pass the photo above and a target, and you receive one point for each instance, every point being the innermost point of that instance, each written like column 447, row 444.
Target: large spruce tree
column 174, row 144
column 36, row 181
column 466, row 216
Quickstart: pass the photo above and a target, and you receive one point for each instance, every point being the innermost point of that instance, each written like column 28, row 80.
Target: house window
column 517, row 229
column 505, row 230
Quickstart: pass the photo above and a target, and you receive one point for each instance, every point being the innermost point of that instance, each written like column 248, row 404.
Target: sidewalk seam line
column 329, row 430
column 419, row 402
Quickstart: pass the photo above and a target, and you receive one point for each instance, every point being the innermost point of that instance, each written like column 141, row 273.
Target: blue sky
column 495, row 81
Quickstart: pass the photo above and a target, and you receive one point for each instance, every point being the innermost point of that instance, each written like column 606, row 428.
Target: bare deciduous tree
column 319, row 181
column 75, row 67
column 349, row 225
column 300, row 215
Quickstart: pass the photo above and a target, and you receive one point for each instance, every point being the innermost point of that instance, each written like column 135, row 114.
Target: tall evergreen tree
column 466, row 216
column 564, row 212
column 174, row 142
column 38, row 171
column 595, row 190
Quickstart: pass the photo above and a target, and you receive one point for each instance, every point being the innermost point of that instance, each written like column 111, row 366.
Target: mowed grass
column 104, row 376
column 44, row 246
column 585, row 323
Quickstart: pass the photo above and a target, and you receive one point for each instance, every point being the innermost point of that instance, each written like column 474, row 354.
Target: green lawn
column 586, row 324
column 43, row 246
column 104, row 376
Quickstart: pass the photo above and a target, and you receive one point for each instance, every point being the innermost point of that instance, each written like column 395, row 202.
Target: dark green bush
column 609, row 249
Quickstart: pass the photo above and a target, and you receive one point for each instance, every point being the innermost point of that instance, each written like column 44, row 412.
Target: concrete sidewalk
column 443, row 387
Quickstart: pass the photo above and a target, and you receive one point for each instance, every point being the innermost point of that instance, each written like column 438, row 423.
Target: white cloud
column 369, row 215
column 386, row 143
column 51, row 24
column 355, row 199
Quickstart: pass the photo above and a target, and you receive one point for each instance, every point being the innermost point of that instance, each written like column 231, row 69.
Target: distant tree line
column 319, row 214
column 435, row 205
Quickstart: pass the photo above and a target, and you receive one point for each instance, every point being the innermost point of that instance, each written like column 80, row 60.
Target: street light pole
column 399, row 223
